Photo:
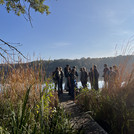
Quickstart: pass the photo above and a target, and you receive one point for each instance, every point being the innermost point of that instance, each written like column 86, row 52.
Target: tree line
column 48, row 66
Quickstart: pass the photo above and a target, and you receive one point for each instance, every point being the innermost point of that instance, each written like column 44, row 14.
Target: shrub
column 27, row 107
column 113, row 111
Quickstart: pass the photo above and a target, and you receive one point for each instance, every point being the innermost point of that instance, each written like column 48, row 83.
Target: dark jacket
column 96, row 74
column 56, row 76
column 91, row 76
column 66, row 72
column 62, row 75
column 84, row 76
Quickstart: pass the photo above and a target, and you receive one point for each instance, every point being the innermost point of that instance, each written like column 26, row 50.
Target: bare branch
column 11, row 47
column 29, row 16
column 3, row 57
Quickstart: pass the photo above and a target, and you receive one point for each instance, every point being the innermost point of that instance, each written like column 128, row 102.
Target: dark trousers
column 84, row 84
column 61, row 88
column 73, row 87
column 95, row 85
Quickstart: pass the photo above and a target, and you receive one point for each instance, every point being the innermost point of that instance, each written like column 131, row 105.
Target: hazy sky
column 74, row 29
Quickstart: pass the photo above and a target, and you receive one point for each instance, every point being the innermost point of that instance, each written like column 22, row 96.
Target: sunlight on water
column 101, row 84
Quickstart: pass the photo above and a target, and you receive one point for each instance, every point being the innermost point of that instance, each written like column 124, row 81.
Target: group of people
column 111, row 76
column 71, row 79
column 93, row 75
column 71, row 75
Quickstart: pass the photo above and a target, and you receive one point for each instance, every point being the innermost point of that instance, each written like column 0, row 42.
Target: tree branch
column 11, row 48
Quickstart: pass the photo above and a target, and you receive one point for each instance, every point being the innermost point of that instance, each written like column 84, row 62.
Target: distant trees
column 49, row 66
column 88, row 62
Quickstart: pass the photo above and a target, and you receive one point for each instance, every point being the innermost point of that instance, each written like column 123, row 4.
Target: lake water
column 101, row 84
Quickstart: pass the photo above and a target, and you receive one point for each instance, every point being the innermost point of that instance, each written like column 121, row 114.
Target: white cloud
column 115, row 17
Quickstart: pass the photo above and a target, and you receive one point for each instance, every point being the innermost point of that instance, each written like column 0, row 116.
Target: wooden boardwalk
column 80, row 120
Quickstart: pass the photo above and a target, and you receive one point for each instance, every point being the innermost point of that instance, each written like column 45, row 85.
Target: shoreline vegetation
column 112, row 107
column 26, row 108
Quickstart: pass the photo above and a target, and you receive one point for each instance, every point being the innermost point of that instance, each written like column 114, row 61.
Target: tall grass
column 27, row 107
column 112, row 108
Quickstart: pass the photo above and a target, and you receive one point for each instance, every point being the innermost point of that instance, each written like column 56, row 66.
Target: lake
column 101, row 84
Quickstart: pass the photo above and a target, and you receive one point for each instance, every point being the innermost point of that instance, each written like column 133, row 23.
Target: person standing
column 66, row 73
column 73, row 83
column 91, row 77
column 61, row 79
column 69, row 80
column 56, row 78
column 95, row 78
column 81, row 71
column 105, row 75
column 84, row 78
column 111, row 79
column 76, row 73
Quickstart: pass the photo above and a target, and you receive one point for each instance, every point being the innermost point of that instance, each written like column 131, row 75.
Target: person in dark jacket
column 73, row 82
column 105, row 75
column 81, row 71
column 56, row 79
column 69, row 80
column 66, row 73
column 84, row 77
column 91, row 77
column 95, row 78
column 61, row 79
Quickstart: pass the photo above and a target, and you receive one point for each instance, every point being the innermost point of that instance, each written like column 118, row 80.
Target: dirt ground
column 80, row 120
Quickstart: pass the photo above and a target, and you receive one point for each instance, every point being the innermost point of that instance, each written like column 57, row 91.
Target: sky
column 74, row 29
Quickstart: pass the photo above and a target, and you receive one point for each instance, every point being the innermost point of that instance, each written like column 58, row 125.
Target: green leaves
column 44, row 116
column 19, row 120
column 2, row 131
column 1, row 1
column 24, row 6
